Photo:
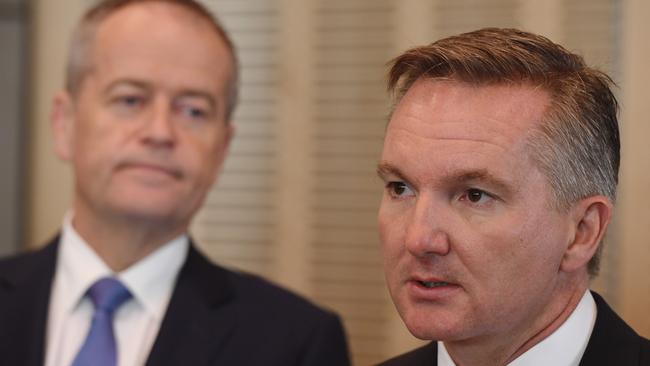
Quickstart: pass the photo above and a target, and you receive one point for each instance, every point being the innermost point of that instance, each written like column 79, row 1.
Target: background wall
column 298, row 197
column 13, row 28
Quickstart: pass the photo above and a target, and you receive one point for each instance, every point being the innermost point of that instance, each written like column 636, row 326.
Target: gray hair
column 79, row 64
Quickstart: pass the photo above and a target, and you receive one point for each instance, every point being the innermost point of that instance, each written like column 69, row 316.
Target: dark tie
column 99, row 349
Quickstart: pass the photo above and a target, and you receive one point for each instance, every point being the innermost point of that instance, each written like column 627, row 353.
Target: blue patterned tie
column 99, row 349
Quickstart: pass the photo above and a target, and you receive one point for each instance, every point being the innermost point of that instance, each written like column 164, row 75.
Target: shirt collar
column 150, row 280
column 565, row 346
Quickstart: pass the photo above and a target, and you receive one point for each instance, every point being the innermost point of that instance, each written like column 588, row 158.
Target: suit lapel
column 193, row 320
column 25, row 284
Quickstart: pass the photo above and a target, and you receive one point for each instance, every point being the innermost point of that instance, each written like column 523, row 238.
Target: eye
column 128, row 101
column 193, row 109
column 475, row 195
column 193, row 112
column 131, row 100
column 127, row 104
column 399, row 189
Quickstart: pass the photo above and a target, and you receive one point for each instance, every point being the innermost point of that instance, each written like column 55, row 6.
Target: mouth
column 152, row 168
column 433, row 284
column 431, row 289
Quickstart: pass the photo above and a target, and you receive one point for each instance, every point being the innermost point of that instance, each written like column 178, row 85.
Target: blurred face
column 471, row 244
column 147, row 132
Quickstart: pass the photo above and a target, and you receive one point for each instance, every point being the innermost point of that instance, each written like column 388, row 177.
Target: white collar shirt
column 136, row 322
column 564, row 347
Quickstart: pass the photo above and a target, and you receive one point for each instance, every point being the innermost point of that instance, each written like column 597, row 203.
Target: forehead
column 156, row 38
column 450, row 122
column 448, row 109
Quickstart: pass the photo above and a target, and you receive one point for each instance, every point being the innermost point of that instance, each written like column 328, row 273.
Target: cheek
column 390, row 234
column 494, row 252
column 519, row 254
column 392, row 222
column 545, row 240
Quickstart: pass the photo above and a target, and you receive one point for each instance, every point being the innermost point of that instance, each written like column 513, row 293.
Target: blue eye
column 127, row 104
column 130, row 100
column 194, row 112
column 399, row 189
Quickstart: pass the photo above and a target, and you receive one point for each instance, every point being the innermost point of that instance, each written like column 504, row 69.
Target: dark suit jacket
column 215, row 317
column 612, row 343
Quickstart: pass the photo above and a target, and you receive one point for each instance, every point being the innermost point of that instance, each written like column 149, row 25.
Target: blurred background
column 298, row 198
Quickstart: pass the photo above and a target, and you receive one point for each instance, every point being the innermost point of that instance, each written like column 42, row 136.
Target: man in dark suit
column 500, row 164
column 145, row 121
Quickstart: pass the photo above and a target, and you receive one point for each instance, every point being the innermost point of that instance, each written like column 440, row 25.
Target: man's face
column 472, row 244
column 147, row 132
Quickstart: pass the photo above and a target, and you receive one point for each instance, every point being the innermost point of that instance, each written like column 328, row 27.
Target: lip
column 149, row 168
column 419, row 292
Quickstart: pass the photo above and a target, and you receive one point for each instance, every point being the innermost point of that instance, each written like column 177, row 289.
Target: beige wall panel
column 295, row 127
column 634, row 204
column 49, row 189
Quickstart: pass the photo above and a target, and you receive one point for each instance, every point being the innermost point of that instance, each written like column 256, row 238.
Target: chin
column 431, row 325
column 148, row 210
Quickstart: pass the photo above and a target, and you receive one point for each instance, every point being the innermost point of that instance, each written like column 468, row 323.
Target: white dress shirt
column 136, row 322
column 564, row 347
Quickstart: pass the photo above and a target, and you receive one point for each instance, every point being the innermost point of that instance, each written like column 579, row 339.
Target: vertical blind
column 354, row 41
column 236, row 225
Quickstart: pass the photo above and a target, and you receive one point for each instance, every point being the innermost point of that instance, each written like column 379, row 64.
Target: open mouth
column 428, row 284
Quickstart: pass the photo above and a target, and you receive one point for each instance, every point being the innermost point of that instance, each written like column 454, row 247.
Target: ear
column 590, row 217
column 62, row 124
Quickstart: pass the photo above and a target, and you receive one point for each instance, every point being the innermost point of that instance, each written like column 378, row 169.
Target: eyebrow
column 184, row 93
column 483, row 176
column 126, row 82
column 385, row 169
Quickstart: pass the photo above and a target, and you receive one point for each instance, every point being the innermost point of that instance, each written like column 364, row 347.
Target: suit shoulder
column 644, row 353
column 254, row 291
column 425, row 355
column 14, row 267
column 613, row 341
column 245, row 293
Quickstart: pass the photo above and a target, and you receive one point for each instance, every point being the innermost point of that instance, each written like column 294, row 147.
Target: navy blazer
column 215, row 317
column 612, row 343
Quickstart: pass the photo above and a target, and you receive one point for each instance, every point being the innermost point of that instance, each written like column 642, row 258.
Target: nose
column 426, row 234
column 158, row 130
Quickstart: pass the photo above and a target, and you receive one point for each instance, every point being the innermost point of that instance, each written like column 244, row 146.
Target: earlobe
column 62, row 125
column 591, row 216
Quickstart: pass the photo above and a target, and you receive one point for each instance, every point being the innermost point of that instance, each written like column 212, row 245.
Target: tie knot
column 108, row 294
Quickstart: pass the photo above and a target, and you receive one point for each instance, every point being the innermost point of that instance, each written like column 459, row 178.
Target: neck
column 500, row 349
column 122, row 241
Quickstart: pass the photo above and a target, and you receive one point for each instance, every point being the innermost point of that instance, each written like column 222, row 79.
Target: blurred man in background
column 145, row 122
column 500, row 165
